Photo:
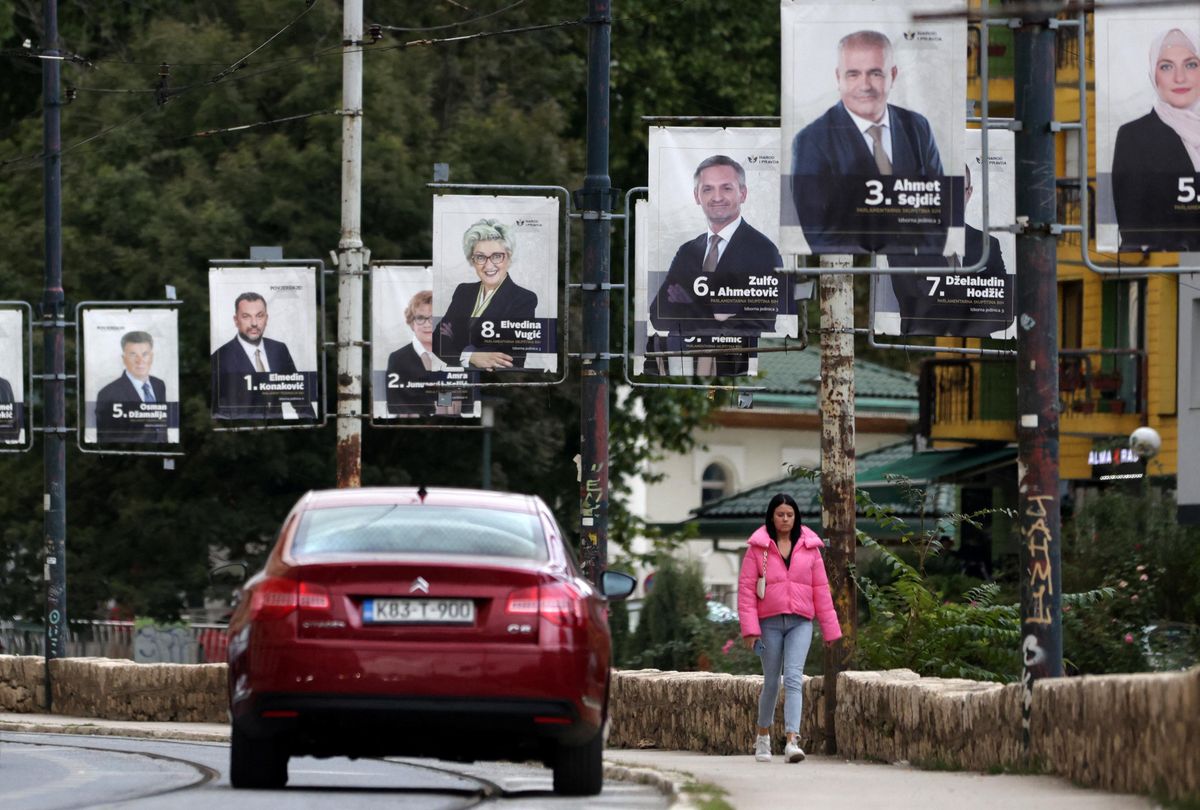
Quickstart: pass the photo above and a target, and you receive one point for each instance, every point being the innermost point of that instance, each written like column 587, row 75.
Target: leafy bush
column 666, row 634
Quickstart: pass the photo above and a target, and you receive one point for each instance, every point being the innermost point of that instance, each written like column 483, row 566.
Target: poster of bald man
column 977, row 304
column 496, row 283
column 711, row 276
column 1148, row 129
column 130, row 376
column 263, row 339
column 12, row 376
column 873, row 121
column 408, row 379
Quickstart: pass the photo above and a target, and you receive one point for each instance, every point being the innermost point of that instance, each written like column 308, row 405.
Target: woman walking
column 782, row 586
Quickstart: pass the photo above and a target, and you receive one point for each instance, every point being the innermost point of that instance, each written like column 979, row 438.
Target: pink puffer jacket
column 802, row 589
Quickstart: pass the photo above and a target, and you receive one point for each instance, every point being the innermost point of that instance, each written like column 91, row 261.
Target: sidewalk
column 820, row 782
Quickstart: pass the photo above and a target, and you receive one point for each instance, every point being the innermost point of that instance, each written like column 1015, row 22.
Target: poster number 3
column 875, row 192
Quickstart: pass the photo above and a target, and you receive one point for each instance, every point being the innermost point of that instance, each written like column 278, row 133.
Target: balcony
column 1101, row 391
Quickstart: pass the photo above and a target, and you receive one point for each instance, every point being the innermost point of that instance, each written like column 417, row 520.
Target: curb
column 669, row 783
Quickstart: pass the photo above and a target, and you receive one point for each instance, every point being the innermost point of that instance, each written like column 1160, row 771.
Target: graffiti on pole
column 1037, row 539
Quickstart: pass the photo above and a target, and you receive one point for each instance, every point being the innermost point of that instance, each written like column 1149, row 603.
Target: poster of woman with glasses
column 495, row 282
column 408, row 379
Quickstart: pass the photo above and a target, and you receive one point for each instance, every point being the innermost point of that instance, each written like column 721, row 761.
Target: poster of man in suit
column 130, row 376
column 711, row 276
column 496, row 283
column 263, row 339
column 408, row 379
column 979, row 304
column 873, row 122
column 1147, row 129
column 12, row 376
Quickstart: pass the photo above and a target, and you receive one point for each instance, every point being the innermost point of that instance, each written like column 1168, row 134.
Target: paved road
column 62, row 772
column 820, row 782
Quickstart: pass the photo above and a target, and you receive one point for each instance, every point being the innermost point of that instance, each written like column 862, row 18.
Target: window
column 714, row 483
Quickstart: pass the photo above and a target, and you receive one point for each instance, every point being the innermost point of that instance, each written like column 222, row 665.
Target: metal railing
column 147, row 643
column 958, row 391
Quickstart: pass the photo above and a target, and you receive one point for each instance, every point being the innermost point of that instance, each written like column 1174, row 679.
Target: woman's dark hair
column 780, row 500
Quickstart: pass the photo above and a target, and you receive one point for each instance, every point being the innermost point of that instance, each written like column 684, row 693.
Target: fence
column 141, row 642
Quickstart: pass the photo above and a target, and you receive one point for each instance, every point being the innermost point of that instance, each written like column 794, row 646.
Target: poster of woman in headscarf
column 408, row 379
column 495, row 283
column 131, row 376
column 712, row 278
column 12, row 376
column 873, row 116
column 1148, row 129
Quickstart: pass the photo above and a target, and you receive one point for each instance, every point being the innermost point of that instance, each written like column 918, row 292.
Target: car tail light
column 313, row 597
column 556, row 602
column 274, row 598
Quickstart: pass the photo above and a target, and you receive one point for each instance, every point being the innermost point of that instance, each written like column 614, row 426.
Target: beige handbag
column 761, row 588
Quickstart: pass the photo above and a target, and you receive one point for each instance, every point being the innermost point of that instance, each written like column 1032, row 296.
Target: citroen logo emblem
column 419, row 584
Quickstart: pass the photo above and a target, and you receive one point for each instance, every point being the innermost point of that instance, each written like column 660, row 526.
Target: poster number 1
column 875, row 192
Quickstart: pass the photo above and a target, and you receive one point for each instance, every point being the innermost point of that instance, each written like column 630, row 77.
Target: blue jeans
column 783, row 645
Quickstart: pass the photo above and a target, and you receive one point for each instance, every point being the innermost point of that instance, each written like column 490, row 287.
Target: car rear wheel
column 579, row 769
column 256, row 763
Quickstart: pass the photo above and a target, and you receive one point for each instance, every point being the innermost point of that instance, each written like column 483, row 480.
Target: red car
column 443, row 623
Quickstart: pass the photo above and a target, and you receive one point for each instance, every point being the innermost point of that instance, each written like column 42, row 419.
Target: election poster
column 12, row 376
column 711, row 279
column 960, row 304
column 130, row 376
column 872, row 128
column 496, row 283
column 1148, row 129
column 263, row 338
column 408, row 379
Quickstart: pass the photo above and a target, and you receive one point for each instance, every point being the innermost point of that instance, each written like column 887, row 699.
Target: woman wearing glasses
column 472, row 332
column 414, row 362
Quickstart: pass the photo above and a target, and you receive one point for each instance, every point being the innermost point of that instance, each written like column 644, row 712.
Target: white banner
column 12, row 376
column 130, row 376
column 1148, row 129
column 263, row 338
column 874, row 110
column 496, row 282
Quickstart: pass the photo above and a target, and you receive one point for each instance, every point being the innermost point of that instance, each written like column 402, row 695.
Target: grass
column 707, row 796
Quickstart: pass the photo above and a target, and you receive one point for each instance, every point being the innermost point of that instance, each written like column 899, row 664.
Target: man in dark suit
column 253, row 375
column 473, row 331
column 133, row 407
column 724, row 283
column 838, row 159
column 956, row 305
column 11, row 418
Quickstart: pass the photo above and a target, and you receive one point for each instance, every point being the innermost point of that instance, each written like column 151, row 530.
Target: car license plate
column 419, row 611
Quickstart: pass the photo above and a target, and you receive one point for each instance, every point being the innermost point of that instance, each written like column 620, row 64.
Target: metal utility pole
column 1037, row 361
column 595, row 202
column 837, row 467
column 350, row 255
column 54, row 498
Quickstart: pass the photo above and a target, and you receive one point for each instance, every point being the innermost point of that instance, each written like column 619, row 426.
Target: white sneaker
column 762, row 748
column 792, row 752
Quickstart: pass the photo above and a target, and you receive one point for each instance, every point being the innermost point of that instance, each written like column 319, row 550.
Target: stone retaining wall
column 1129, row 733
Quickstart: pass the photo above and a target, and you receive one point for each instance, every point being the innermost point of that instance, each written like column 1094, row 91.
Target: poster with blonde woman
column 1148, row 130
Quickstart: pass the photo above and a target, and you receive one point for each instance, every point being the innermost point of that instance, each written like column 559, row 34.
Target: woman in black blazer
column 1156, row 157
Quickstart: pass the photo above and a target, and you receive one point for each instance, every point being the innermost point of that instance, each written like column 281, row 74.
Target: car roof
column 436, row 496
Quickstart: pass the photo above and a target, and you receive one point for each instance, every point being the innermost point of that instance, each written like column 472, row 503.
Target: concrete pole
column 1037, row 363
column 595, row 202
column 54, row 452
column 350, row 255
column 837, row 468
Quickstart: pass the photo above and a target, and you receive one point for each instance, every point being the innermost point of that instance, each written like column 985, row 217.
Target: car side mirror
column 232, row 570
column 617, row 585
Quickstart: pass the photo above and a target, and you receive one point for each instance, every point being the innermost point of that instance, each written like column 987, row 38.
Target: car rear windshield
column 411, row 529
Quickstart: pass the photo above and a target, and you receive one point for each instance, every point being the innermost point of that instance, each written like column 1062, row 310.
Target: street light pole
column 350, row 255
column 54, row 354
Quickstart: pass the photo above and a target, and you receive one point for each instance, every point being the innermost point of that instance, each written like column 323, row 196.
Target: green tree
column 665, row 638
